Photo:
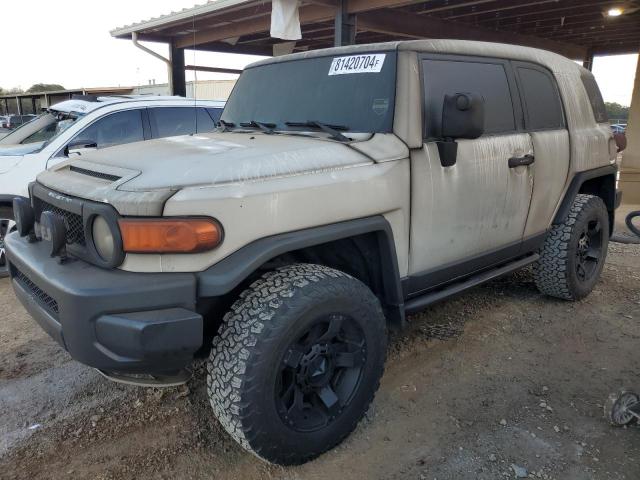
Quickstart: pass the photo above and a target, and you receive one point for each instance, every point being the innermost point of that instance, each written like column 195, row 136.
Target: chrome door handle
column 521, row 161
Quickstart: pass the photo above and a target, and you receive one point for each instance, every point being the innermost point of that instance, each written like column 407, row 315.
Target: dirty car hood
column 137, row 178
column 15, row 150
column 222, row 158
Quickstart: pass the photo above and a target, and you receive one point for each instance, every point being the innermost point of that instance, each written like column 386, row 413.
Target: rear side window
column 174, row 121
column 114, row 129
column 543, row 109
column 595, row 98
column 488, row 80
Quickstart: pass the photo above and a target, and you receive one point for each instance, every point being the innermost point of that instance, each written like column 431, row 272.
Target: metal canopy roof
column 575, row 28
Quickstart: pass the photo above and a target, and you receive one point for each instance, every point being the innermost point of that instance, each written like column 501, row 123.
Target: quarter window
column 173, row 121
column 215, row 113
column 543, row 109
column 595, row 98
column 489, row 80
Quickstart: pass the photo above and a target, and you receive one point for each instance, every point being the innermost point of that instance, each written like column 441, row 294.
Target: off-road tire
column 251, row 343
column 555, row 272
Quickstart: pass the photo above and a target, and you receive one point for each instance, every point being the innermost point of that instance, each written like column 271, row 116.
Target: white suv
column 69, row 127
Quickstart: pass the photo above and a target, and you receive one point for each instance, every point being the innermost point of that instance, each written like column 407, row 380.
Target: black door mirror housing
column 78, row 145
column 462, row 117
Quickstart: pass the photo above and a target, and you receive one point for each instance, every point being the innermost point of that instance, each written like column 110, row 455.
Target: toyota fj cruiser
column 344, row 189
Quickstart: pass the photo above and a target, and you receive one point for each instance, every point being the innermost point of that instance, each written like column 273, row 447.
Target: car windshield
column 353, row 93
column 44, row 128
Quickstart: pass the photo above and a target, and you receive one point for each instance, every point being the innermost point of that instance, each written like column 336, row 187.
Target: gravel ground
column 484, row 386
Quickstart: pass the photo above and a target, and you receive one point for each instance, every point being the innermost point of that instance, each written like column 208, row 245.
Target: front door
column 472, row 214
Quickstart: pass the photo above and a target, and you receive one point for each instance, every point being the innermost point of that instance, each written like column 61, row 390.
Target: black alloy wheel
column 589, row 250
column 320, row 372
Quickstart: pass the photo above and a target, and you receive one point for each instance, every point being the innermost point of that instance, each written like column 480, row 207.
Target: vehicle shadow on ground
column 499, row 352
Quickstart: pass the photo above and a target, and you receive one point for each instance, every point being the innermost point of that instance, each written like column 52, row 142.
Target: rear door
column 472, row 214
column 544, row 120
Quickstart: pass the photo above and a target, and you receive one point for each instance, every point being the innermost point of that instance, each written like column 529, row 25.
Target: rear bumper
column 618, row 199
column 108, row 319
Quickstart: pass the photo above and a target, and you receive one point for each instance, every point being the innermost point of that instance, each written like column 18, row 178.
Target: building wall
column 204, row 89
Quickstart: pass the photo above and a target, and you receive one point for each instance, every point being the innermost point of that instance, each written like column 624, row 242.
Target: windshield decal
column 371, row 63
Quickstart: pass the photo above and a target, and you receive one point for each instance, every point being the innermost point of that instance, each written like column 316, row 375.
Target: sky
column 68, row 42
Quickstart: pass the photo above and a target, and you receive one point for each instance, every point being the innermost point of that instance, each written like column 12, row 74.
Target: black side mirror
column 79, row 144
column 462, row 117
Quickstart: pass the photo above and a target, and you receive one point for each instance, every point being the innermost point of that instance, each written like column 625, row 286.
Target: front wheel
column 574, row 251
column 297, row 362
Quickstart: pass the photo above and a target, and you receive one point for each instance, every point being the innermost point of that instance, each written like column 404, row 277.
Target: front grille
column 73, row 221
column 93, row 173
column 44, row 299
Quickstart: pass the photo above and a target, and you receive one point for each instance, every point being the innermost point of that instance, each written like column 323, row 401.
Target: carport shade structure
column 578, row 29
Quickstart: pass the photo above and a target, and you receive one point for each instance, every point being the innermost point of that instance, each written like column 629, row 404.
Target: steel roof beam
column 403, row 24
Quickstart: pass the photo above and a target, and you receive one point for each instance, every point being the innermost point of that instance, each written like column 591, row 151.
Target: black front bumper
column 108, row 319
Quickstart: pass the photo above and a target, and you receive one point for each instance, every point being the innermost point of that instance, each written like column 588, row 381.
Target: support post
column 178, row 79
column 587, row 62
column 345, row 25
column 630, row 171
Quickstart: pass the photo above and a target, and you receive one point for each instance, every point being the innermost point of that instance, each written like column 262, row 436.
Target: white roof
column 86, row 106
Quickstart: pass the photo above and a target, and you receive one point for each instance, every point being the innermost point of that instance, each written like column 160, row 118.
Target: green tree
column 9, row 91
column 44, row 87
column 617, row 111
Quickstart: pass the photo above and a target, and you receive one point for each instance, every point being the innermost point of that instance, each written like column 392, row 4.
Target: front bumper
column 108, row 319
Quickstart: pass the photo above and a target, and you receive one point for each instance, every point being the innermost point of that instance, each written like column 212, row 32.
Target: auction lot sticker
column 371, row 63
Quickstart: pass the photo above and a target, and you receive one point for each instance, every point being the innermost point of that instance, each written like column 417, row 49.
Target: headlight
column 103, row 239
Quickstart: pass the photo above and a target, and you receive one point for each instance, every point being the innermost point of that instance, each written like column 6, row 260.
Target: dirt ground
column 519, row 384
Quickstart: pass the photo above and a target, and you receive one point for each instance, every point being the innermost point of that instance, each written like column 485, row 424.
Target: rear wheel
column 297, row 362
column 574, row 252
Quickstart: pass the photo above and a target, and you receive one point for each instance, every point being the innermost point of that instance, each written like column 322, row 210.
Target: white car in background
column 73, row 126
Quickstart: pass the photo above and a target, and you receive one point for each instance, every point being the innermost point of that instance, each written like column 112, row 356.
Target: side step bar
column 158, row 381
column 420, row 303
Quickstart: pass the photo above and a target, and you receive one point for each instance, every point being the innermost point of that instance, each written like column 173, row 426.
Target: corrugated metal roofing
column 184, row 14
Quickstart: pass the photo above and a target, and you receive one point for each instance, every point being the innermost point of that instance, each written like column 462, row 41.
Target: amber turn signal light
column 169, row 235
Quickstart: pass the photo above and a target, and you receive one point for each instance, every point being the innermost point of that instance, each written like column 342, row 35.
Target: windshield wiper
column 265, row 127
column 332, row 130
column 226, row 126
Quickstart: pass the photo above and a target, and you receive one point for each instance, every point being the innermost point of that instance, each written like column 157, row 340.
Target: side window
column 595, row 98
column 488, row 80
column 543, row 109
column 172, row 121
column 114, row 129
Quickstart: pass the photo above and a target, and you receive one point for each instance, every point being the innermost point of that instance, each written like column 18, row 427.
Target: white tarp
column 285, row 21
